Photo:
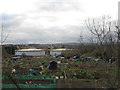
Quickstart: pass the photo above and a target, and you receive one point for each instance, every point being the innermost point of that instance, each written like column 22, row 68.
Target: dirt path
column 78, row 84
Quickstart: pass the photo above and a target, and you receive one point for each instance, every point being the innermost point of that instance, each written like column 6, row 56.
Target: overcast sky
column 52, row 21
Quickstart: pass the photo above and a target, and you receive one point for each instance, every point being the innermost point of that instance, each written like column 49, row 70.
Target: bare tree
column 81, row 45
column 2, row 37
column 105, row 42
column 81, row 38
column 100, row 30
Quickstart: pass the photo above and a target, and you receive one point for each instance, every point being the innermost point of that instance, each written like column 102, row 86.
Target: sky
column 52, row 21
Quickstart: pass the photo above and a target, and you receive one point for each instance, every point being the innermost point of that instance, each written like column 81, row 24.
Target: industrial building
column 30, row 52
column 40, row 52
column 56, row 52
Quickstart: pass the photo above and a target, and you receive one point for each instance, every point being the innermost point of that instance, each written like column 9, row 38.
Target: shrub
column 84, row 74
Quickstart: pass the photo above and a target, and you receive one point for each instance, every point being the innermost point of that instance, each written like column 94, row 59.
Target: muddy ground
column 21, row 81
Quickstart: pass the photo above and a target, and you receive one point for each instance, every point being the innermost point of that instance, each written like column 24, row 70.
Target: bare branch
column 3, row 40
column 6, row 37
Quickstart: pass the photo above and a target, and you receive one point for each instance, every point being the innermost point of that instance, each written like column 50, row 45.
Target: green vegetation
column 103, row 73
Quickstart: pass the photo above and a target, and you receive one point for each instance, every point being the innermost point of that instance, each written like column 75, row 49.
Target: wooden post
column 0, row 66
column 119, row 44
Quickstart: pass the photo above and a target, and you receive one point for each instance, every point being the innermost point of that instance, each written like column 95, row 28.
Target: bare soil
column 38, row 82
column 79, row 84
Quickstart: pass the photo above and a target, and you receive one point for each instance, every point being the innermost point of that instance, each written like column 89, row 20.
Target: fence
column 28, row 77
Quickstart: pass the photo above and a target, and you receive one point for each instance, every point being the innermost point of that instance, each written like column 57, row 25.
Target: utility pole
column 118, row 27
column 0, row 66
column 2, row 40
column 1, row 54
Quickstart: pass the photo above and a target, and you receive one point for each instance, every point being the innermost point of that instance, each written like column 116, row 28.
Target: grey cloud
column 7, row 17
column 43, row 35
column 55, row 34
column 11, row 20
column 48, row 18
column 59, row 5
column 25, row 32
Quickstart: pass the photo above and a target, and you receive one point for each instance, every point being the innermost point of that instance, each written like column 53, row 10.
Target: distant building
column 30, row 52
column 40, row 52
column 56, row 52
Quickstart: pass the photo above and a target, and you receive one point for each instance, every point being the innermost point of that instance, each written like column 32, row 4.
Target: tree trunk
column 0, row 66
column 119, row 57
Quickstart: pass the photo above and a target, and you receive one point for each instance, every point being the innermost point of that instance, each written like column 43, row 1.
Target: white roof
column 29, row 50
column 61, row 49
